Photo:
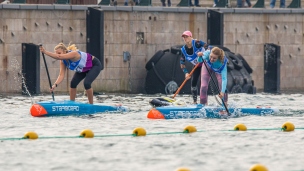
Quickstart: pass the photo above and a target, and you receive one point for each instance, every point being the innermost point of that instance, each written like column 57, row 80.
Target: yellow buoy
column 31, row 135
column 258, row 167
column 182, row 169
column 240, row 127
column 87, row 133
column 139, row 131
column 189, row 129
column 288, row 126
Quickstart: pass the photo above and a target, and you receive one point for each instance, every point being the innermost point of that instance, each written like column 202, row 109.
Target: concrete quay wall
column 245, row 32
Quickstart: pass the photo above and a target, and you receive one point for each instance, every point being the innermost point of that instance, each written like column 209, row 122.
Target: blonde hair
column 71, row 47
column 219, row 52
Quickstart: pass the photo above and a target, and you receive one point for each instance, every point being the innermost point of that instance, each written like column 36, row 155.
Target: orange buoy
column 37, row 110
column 155, row 114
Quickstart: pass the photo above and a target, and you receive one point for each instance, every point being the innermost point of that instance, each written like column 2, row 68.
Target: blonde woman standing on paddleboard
column 216, row 62
column 85, row 65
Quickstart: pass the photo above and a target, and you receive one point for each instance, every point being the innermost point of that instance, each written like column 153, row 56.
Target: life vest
column 220, row 69
column 82, row 65
column 192, row 58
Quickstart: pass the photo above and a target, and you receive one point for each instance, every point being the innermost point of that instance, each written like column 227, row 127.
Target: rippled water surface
column 213, row 148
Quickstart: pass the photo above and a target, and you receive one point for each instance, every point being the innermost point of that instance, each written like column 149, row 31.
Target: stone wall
column 245, row 32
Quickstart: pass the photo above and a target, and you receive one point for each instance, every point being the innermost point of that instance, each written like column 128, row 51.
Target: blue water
column 213, row 148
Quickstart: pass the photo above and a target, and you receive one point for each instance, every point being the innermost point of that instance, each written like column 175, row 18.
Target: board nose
column 155, row 114
column 37, row 110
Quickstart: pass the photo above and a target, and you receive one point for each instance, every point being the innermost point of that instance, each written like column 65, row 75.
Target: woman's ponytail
column 71, row 47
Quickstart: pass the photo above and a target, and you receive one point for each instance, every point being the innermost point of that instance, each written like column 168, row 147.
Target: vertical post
column 215, row 28
column 272, row 68
column 30, row 68
column 95, row 33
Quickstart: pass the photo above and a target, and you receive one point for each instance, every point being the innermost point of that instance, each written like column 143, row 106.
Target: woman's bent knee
column 87, row 85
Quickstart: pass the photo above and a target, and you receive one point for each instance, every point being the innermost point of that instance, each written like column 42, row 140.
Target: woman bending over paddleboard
column 190, row 52
column 85, row 65
column 216, row 62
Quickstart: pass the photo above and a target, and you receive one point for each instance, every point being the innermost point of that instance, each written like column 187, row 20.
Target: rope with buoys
column 87, row 133
column 286, row 127
column 139, row 131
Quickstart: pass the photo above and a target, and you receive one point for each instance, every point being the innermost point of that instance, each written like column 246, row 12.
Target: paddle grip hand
column 187, row 76
column 41, row 48
column 221, row 95
column 52, row 88
column 199, row 54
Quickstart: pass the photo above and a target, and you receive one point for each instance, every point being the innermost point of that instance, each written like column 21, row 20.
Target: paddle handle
column 182, row 85
column 47, row 72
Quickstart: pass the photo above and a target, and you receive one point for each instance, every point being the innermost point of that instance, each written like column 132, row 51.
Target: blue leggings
column 89, row 76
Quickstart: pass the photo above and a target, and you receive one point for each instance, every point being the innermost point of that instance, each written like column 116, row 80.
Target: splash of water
column 19, row 78
column 26, row 89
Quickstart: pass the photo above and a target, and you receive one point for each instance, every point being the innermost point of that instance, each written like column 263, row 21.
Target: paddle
column 217, row 87
column 47, row 71
column 180, row 87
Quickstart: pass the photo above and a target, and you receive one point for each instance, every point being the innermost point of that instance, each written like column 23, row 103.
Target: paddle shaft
column 215, row 85
column 47, row 71
column 180, row 87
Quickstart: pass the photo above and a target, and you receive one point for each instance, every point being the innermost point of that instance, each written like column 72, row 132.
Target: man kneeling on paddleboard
column 85, row 65
column 215, row 62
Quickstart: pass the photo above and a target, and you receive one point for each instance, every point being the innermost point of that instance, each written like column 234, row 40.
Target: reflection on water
column 212, row 148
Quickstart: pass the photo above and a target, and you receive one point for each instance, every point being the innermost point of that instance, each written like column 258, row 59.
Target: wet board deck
column 200, row 111
column 67, row 108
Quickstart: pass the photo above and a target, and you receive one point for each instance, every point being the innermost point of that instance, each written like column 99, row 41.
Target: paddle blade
column 37, row 110
column 158, row 103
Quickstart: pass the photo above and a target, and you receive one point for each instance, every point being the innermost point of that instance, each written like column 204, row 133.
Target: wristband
column 185, row 70
column 56, row 85
column 200, row 59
